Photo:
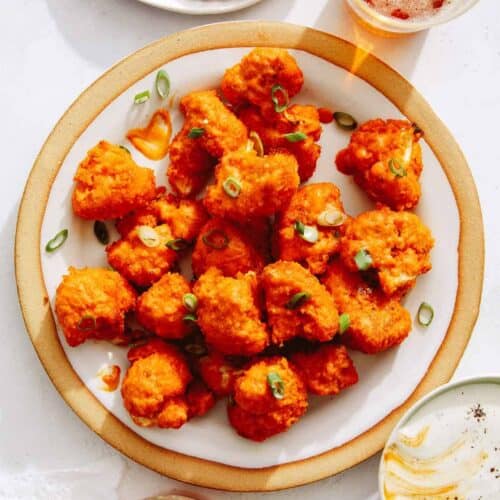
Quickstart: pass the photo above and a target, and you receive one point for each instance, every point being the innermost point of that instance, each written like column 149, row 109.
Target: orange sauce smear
column 153, row 140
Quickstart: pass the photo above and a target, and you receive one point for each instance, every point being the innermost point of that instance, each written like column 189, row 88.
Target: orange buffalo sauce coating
column 153, row 140
column 110, row 376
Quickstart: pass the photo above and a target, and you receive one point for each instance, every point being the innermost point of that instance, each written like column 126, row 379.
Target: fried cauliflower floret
column 327, row 370
column 385, row 159
column 296, row 118
column 398, row 244
column 190, row 165
column 91, row 304
column 252, row 79
column 266, row 184
column 224, row 245
column 161, row 308
column 376, row 322
column 269, row 397
column 139, row 263
column 222, row 130
column 313, row 205
column 218, row 373
column 154, row 386
column 108, row 184
column 199, row 399
column 228, row 313
column 314, row 317
column 184, row 217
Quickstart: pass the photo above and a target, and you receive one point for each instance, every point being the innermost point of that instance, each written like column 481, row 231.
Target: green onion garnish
column 190, row 301
column 87, row 323
column 196, row 132
column 345, row 120
column 396, row 168
column 216, row 238
column 177, row 244
column 295, row 136
column 425, row 314
column 148, row 236
column 256, row 142
column 344, row 322
column 276, row 385
column 57, row 241
column 363, row 260
column 162, row 83
column 101, row 232
column 190, row 317
column 142, row 97
column 279, row 90
column 307, row 233
column 232, row 187
column 195, row 349
column 331, row 217
column 297, row 300
column 125, row 149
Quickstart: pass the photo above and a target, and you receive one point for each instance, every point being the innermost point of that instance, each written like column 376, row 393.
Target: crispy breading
column 327, row 370
column 108, row 184
column 228, row 313
column 385, row 158
column 376, row 321
column 91, row 304
column 238, row 254
column 161, row 308
column 398, row 243
column 307, row 205
column 315, row 318
column 199, row 399
column 218, row 373
column 267, row 184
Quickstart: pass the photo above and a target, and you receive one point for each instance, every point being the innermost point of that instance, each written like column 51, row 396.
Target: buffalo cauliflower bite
column 143, row 261
column 161, row 309
column 327, row 370
column 376, row 322
column 109, row 184
column 199, row 399
column 317, row 205
column 218, row 373
column 154, row 386
column 396, row 245
column 228, row 313
column 268, row 398
column 264, row 185
column 252, row 80
column 313, row 316
column 92, row 303
column 224, row 245
column 296, row 118
column 385, row 159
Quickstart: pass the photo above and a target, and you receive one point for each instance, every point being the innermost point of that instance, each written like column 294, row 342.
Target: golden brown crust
column 218, row 373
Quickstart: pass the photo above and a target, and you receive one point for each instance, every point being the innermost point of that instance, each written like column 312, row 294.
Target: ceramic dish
column 335, row 434
column 201, row 7
column 447, row 444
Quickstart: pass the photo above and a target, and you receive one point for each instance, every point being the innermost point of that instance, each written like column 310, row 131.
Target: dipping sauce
column 408, row 9
column 110, row 377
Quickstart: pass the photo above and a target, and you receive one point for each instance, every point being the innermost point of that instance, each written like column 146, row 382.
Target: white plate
column 201, row 7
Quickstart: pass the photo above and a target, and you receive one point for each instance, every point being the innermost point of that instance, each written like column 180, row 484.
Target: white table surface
column 50, row 51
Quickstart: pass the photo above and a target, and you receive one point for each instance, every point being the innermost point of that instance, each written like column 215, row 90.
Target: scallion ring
column 307, row 233
column 345, row 120
column 256, row 141
column 87, row 323
column 396, row 168
column 232, row 187
column 195, row 349
column 425, row 314
column 295, row 136
column 297, row 300
column 216, row 238
column 148, row 236
column 190, row 301
column 276, row 385
column 162, row 84
column 121, row 146
column 190, row 318
column 331, row 217
column 177, row 244
column 57, row 241
column 142, row 97
column 101, row 232
column 196, row 132
column 276, row 91
column 344, row 322
column 363, row 260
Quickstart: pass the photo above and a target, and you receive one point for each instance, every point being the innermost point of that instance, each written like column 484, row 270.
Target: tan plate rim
column 33, row 295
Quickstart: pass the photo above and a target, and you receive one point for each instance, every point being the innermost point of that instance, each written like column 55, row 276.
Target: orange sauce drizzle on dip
column 153, row 140
column 110, row 377
column 414, row 441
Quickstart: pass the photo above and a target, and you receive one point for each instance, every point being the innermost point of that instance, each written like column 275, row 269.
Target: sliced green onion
column 295, row 136
column 344, row 322
column 396, row 168
column 297, row 300
column 345, row 120
column 216, row 238
column 190, row 317
column 162, row 83
column 190, row 301
column 278, row 89
column 177, row 244
column 142, row 97
column 87, row 323
column 196, row 132
column 363, row 260
column 300, row 227
column 307, row 233
column 331, row 217
column 276, row 385
column 148, row 236
column 57, row 241
column 232, row 187
column 101, row 232
column 125, row 149
column 256, row 143
column 425, row 314
column 195, row 349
